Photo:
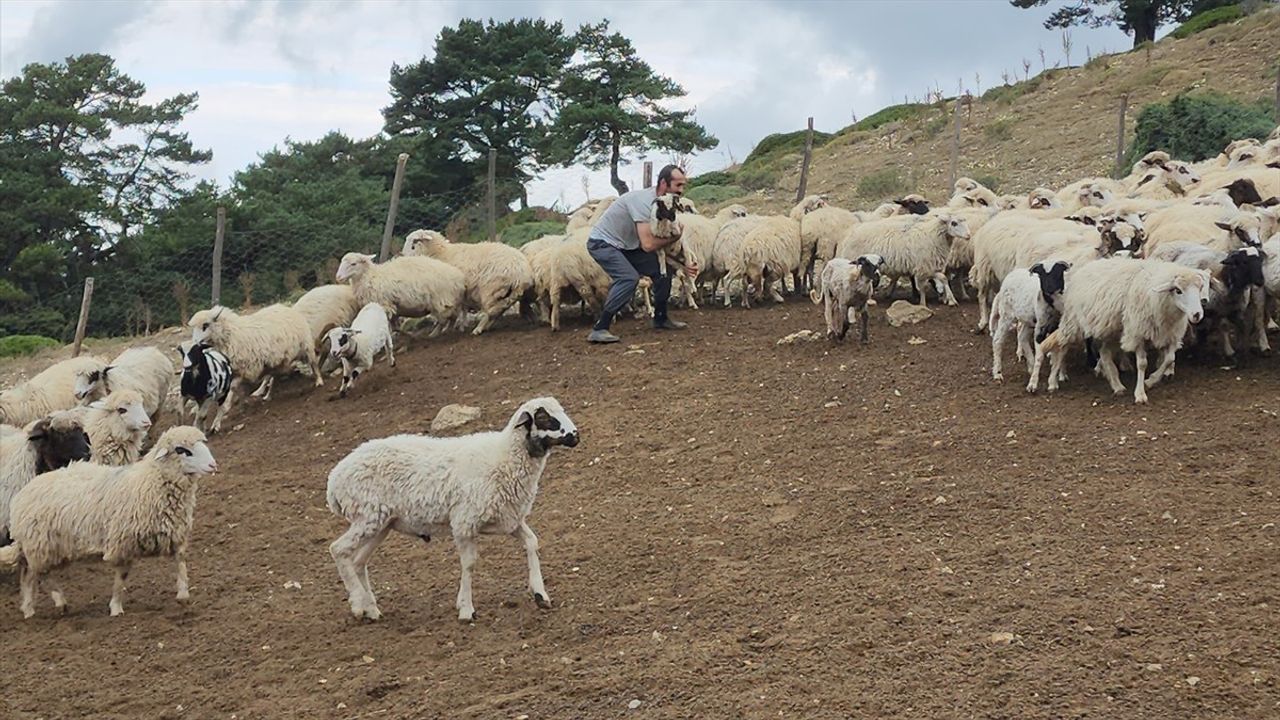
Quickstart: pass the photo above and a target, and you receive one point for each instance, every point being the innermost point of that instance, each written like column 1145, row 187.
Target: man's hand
column 691, row 270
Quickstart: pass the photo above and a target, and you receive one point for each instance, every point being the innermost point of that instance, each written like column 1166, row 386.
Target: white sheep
column 144, row 370
column 409, row 287
column 699, row 236
column 725, row 253
column 769, row 252
column 357, row 345
column 117, row 427
column 325, row 307
column 1214, row 226
column 567, row 273
column 847, row 285
column 497, row 276
column 1030, row 301
column 914, row 247
column 52, row 389
column 546, row 242
column 44, row 445
column 1173, row 179
column 258, row 345
column 118, row 514
column 468, row 486
column 1129, row 305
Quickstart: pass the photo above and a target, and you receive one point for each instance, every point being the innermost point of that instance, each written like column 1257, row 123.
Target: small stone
column 913, row 340
column 1011, row 433
column 832, row 404
column 367, row 658
column 633, row 704
column 637, row 351
column 1154, row 667
column 238, row 427
column 902, row 313
column 293, row 585
column 1166, row 516
column 940, row 500
column 1193, row 680
column 453, row 416
column 1001, row 638
column 342, row 706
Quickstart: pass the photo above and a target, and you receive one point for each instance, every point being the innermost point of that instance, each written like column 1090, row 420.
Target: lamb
column 847, row 285
column 206, row 383
column 325, row 307
column 47, row 444
column 52, row 389
column 915, row 247
column 356, row 346
column 119, row 514
column 469, row 486
column 117, row 427
column 407, row 286
column 1130, row 304
column 1031, row 300
column 496, row 275
column 144, row 370
column 261, row 344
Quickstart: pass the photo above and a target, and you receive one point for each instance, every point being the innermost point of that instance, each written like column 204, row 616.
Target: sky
column 270, row 69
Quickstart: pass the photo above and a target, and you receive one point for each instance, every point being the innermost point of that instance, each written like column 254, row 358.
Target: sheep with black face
column 47, row 444
column 847, row 285
column 480, row 484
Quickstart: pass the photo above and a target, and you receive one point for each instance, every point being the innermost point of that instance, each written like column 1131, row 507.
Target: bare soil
column 747, row 530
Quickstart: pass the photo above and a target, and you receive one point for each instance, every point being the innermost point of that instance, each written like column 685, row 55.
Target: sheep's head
column 207, row 324
column 353, row 265
column 1243, row 191
column 662, row 215
column 127, row 405
column 1187, row 289
column 965, row 185
column 1245, row 227
column 1242, row 157
column 1010, row 202
column 58, row 441
column 954, row 227
column 913, row 204
column 1095, row 195
column 871, row 265
column 1052, row 278
column 1042, row 199
column 545, row 424
column 685, row 205
column 729, row 212
column 1181, row 174
column 1243, row 268
column 90, row 383
column 342, row 342
column 1219, row 198
column 1153, row 159
column 424, row 242
column 972, row 199
column 186, row 446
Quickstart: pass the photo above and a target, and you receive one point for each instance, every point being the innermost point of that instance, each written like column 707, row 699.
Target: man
column 623, row 245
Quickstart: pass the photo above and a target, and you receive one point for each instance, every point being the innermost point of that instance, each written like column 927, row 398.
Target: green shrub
column 39, row 320
column 715, row 194
column 936, row 126
column 766, row 174
column 778, row 144
column 1008, row 93
column 715, row 177
column 884, row 116
column 1195, row 127
column 882, row 184
column 11, row 294
column 999, row 129
column 518, row 235
column 25, row 345
column 1208, row 19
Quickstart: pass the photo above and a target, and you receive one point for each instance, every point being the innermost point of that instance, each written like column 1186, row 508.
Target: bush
column 884, row 116
column 778, row 144
column 1008, row 93
column 936, row 126
column 999, row 129
column 1195, row 127
column 882, row 184
column 715, row 177
column 1208, row 19
column 715, row 194
column 518, row 235
column 15, row 345
column 39, row 320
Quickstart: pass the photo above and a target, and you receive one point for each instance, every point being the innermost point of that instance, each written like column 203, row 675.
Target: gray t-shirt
column 618, row 224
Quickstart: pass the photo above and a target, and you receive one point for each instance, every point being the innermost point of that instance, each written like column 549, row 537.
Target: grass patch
column 884, row 116
column 715, row 194
column 1208, row 19
column 1150, row 77
column 779, row 144
column 16, row 345
column 999, row 129
column 518, row 235
column 715, row 177
column 935, row 127
column 1006, row 94
column 883, row 184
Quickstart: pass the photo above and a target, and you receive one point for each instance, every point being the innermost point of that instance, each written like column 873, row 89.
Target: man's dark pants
column 626, row 267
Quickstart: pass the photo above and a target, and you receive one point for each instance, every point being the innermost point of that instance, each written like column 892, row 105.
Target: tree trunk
column 1144, row 25
column 524, row 197
column 614, row 156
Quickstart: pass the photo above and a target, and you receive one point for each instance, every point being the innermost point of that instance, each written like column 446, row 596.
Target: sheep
column 546, row 242
column 823, row 229
column 144, row 370
column 496, row 275
column 1031, row 300
column 567, row 273
column 117, row 427
column 407, row 286
column 52, row 389
column 1130, row 304
column 206, row 383
column 119, row 514
column 1090, row 191
column 769, row 252
column 1205, row 225
column 973, row 194
column 1236, row 282
column 699, row 234
column 847, row 285
column 356, row 346
column 960, row 258
column 725, row 253
column 1252, row 184
column 1173, row 179
column 420, row 485
column 915, row 247
column 325, row 307
column 258, row 345
column 43, row 445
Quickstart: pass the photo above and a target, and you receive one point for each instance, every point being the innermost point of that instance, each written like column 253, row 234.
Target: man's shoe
column 602, row 336
column 669, row 324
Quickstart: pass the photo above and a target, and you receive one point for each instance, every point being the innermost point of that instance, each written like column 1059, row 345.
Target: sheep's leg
column 1107, row 364
column 524, row 533
column 864, row 317
column 829, row 314
column 1259, row 320
column 225, row 407
column 999, row 329
column 947, row 296
column 485, row 321
column 1140, row 386
column 1034, row 383
column 29, row 580
column 1026, row 349
column 919, row 283
column 263, row 387
column 117, row 589
column 347, row 378
column 313, row 362
column 773, row 291
column 347, row 552
column 363, row 553
column 391, row 352
column 553, row 299
column 981, row 291
column 180, row 569
column 59, row 600
column 468, row 553
column 1165, row 367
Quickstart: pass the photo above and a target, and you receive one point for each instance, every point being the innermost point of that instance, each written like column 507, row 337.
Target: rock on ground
column 454, row 416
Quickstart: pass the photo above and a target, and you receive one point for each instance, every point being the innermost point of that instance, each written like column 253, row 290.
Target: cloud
column 58, row 29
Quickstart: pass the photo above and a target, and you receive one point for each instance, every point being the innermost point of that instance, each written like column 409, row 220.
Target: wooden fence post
column 216, row 283
column 1278, row 92
column 393, row 208
column 648, row 174
column 804, row 167
column 493, row 200
column 955, row 146
column 1124, row 105
column 84, row 316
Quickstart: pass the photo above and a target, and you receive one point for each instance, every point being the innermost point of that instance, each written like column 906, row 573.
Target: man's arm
column 648, row 242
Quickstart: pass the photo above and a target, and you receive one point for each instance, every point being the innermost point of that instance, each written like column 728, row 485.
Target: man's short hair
column 664, row 175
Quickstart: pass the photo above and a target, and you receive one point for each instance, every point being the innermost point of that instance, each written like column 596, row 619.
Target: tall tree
column 612, row 101
column 1141, row 18
column 489, row 85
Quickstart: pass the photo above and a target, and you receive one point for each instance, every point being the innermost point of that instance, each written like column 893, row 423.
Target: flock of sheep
column 1175, row 255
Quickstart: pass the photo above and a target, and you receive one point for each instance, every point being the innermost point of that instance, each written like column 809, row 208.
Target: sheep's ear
column 353, row 331
column 39, row 431
column 1223, row 226
column 1272, row 201
column 1146, row 180
column 217, row 313
column 98, row 405
column 525, row 420
column 161, row 452
column 1037, row 269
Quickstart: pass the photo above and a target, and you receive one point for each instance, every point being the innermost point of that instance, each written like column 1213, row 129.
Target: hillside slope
column 1058, row 127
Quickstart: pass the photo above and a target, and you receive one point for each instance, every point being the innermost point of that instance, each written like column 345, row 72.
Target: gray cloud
column 65, row 28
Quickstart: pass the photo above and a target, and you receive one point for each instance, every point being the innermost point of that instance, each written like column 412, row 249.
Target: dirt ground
column 747, row 530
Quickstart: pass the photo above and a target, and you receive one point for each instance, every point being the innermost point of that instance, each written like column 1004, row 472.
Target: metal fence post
column 393, row 207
